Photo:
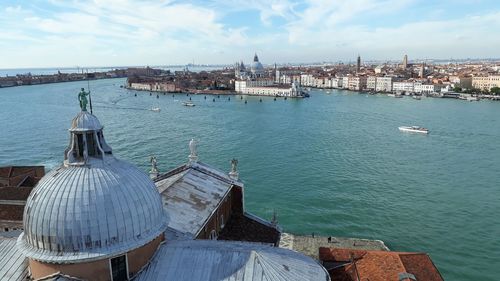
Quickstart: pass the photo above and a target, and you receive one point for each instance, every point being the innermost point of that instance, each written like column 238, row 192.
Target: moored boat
column 188, row 103
column 413, row 129
column 155, row 109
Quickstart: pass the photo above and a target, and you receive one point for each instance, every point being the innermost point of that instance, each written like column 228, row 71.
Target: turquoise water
column 333, row 164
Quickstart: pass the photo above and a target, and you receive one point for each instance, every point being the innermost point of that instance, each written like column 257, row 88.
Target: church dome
column 256, row 66
column 93, row 206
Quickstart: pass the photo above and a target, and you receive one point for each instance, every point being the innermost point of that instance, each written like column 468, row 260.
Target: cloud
column 135, row 32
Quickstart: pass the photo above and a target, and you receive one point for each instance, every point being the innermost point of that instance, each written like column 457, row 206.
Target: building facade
column 485, row 83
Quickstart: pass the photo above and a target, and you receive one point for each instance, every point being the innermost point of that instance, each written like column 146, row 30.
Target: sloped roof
column 378, row 265
column 13, row 264
column 190, row 195
column 211, row 260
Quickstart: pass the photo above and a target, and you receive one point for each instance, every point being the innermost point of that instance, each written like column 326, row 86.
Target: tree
column 495, row 90
column 457, row 89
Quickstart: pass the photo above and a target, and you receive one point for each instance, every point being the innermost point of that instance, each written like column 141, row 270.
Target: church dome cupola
column 92, row 207
column 86, row 140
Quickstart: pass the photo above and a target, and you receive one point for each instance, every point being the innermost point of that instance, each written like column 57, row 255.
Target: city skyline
column 56, row 33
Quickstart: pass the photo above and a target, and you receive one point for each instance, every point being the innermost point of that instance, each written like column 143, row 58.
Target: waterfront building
column 277, row 90
column 403, row 86
column 384, row 84
column 336, row 82
column 485, row 83
column 461, row 81
column 100, row 218
column 307, row 80
column 345, row 82
column 357, row 83
column 429, row 88
column 371, row 82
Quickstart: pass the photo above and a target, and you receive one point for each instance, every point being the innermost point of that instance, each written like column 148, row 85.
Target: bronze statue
column 82, row 97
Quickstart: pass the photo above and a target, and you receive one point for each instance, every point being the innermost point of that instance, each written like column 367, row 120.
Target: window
column 222, row 221
column 213, row 235
column 119, row 270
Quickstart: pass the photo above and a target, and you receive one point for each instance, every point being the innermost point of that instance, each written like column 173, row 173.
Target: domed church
column 100, row 218
column 256, row 68
column 95, row 217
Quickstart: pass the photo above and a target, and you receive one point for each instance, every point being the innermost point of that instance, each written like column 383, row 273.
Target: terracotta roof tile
column 346, row 264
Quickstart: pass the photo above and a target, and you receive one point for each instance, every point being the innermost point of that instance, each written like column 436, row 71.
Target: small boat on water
column 155, row 109
column 472, row 98
column 417, row 97
column 413, row 129
column 188, row 103
column 391, row 95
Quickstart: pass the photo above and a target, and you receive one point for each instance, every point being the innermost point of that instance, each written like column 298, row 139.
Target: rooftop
column 191, row 193
column 13, row 264
column 351, row 265
column 203, row 260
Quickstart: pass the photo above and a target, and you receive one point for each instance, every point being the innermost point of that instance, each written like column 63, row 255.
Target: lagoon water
column 333, row 164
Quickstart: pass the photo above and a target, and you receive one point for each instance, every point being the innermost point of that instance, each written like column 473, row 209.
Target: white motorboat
column 155, row 109
column 472, row 98
column 188, row 103
column 413, row 129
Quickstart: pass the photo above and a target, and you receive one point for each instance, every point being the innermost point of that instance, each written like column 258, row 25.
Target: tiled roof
column 347, row 264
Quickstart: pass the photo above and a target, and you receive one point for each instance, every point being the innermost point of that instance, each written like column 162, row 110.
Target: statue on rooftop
column 234, row 163
column 82, row 97
column 154, row 168
column 193, row 157
column 234, row 173
column 192, row 147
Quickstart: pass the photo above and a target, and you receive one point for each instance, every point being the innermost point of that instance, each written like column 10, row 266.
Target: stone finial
column 193, row 156
column 234, row 173
column 153, row 173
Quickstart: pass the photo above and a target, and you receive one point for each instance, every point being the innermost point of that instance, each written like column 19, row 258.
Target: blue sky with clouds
column 46, row 33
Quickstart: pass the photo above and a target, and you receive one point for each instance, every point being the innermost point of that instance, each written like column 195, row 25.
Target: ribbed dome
column 89, row 212
column 85, row 121
column 93, row 206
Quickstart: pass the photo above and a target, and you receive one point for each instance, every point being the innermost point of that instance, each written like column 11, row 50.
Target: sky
column 69, row 33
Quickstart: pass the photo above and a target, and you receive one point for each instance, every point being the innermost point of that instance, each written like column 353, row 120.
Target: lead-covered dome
column 93, row 206
column 256, row 67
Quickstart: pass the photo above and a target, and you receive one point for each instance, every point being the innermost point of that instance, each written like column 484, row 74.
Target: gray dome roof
column 94, row 206
column 79, row 213
column 85, row 121
column 256, row 67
